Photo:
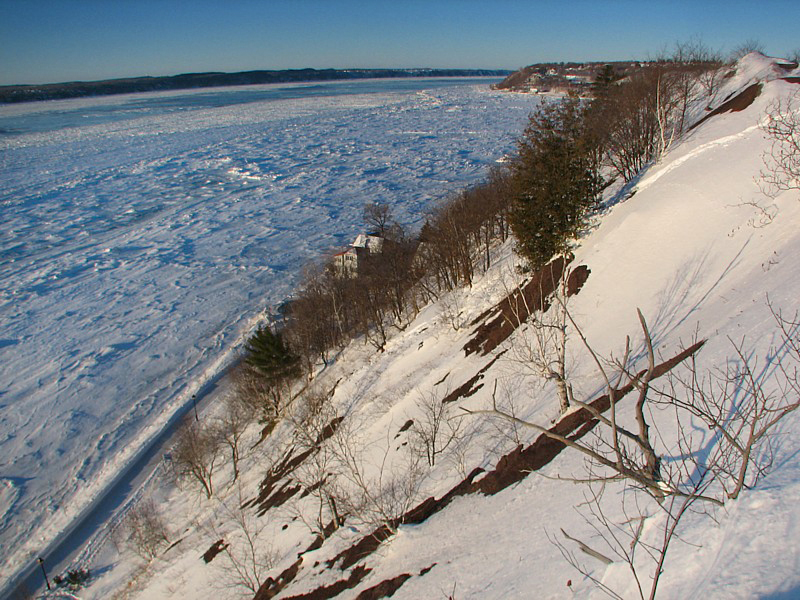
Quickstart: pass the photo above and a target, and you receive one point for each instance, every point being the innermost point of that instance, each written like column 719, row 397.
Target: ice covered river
column 142, row 236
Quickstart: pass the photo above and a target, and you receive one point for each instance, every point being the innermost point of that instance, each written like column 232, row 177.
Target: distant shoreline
column 12, row 94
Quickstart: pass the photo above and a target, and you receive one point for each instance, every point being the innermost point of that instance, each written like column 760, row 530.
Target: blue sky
column 65, row 40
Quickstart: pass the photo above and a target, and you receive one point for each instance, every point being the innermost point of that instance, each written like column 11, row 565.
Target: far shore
column 78, row 89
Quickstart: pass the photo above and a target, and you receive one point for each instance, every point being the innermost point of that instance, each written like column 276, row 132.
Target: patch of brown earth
column 363, row 547
column 330, row 591
column 215, row 549
column 466, row 390
column 420, row 513
column 272, row 587
column 313, row 487
column 791, row 79
column 576, row 279
column 321, row 537
column 385, row 589
column 514, row 309
column 406, row 426
column 736, row 104
column 268, row 497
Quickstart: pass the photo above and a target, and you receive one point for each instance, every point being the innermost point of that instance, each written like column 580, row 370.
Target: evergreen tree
column 268, row 354
column 555, row 181
column 603, row 80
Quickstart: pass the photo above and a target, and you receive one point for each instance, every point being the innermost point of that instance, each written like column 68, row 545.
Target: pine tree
column 555, row 181
column 271, row 356
column 603, row 80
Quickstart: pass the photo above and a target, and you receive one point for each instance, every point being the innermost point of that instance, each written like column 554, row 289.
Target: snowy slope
column 691, row 251
column 143, row 236
column 688, row 251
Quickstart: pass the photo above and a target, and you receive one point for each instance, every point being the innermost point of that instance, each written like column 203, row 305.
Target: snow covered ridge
column 692, row 251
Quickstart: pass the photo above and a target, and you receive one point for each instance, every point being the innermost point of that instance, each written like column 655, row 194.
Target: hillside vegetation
column 602, row 403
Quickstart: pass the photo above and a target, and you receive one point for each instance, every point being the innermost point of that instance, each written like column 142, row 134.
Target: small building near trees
column 345, row 264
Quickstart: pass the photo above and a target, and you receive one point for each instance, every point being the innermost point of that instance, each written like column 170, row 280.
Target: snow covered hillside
column 143, row 235
column 697, row 247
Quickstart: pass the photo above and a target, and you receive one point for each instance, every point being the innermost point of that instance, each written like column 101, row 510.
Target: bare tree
column 782, row 161
column 143, row 530
column 459, row 233
column 697, row 63
column 378, row 216
column 710, row 80
column 624, row 539
column 452, row 308
column 237, row 414
column 320, row 316
column 255, row 393
column 510, row 394
column 375, row 494
column 738, row 405
column 313, row 420
column 248, row 556
column 195, row 454
column 542, row 350
column 625, row 455
column 639, row 119
column 741, row 406
column 629, row 451
column 745, row 48
column 434, row 429
column 742, row 410
column 548, row 353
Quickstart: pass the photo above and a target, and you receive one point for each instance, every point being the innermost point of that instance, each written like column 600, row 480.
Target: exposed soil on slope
column 270, row 497
column 514, row 309
column 330, row 591
column 385, row 589
column 510, row 469
column 469, row 388
column 215, row 549
column 736, row 104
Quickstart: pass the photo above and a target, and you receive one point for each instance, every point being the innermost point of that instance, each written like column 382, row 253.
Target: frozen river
column 142, row 236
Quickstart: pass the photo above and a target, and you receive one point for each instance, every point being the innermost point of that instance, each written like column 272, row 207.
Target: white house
column 345, row 264
column 371, row 242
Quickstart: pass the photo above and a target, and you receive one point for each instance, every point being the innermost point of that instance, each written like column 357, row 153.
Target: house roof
column 368, row 241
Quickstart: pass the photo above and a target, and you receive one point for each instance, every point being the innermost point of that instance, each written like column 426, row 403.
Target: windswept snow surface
column 142, row 236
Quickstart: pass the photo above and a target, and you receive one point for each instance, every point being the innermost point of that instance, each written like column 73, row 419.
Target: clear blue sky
column 65, row 40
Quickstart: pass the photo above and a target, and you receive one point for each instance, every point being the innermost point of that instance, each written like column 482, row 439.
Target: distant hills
column 77, row 89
